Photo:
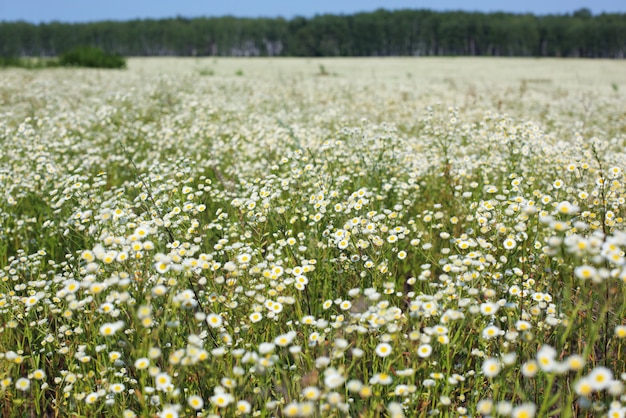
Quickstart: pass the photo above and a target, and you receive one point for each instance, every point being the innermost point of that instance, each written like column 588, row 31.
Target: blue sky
column 85, row 10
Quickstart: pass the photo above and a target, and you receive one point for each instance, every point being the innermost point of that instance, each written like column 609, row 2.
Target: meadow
column 314, row 237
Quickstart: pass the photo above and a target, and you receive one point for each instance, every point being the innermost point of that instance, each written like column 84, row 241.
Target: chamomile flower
column 491, row 331
column 491, row 367
column 39, row 374
column 484, row 407
column 169, row 412
column 530, row 368
column 108, row 329
column 195, row 402
column 285, row 339
column 22, row 384
column 567, row 208
column 333, row 378
column 163, row 382
column 525, row 410
column 489, row 308
column 311, row 393
column 292, row 409
column 617, row 411
column 395, row 410
column 575, row 362
column 221, row 399
column 381, row 379
column 117, row 388
column 585, row 272
column 214, row 320
column 600, row 378
column 243, row 407
column 546, row 358
column 142, row 363
column 91, row 397
column 424, row 350
column 383, row 350
column 584, row 387
column 306, row 409
column 345, row 305
column 365, row 391
column 509, row 243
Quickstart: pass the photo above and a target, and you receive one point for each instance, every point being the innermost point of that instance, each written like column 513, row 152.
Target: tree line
column 379, row 33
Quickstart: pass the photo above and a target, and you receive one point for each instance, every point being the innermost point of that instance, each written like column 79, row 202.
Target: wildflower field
column 324, row 238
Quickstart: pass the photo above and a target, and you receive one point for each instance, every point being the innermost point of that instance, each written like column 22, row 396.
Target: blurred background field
column 459, row 81
column 420, row 71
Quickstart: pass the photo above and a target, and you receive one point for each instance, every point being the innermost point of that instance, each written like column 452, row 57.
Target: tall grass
column 174, row 245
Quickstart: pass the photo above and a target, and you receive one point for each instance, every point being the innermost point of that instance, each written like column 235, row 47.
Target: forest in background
column 379, row 33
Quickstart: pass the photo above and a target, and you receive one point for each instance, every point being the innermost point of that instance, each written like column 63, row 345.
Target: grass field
column 314, row 237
